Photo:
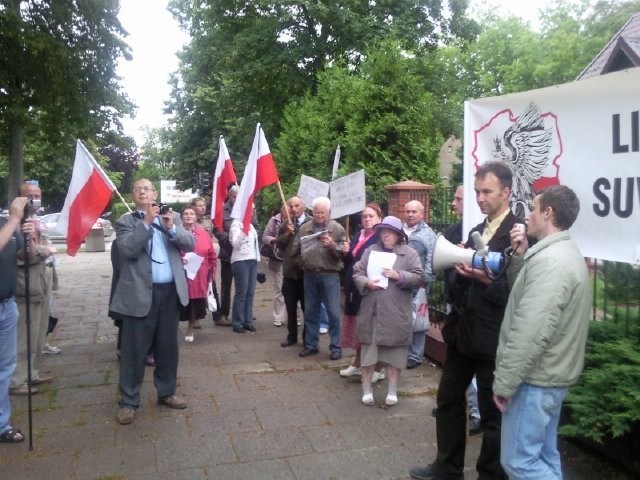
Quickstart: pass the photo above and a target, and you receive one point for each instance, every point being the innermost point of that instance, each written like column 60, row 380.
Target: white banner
column 311, row 188
column 585, row 135
column 348, row 194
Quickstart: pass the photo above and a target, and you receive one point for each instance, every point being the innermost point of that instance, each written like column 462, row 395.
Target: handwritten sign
column 348, row 194
column 311, row 188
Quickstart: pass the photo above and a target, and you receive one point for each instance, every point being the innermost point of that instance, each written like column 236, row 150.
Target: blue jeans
column 416, row 349
column 8, row 354
column 244, row 278
column 472, row 399
column 529, row 433
column 321, row 288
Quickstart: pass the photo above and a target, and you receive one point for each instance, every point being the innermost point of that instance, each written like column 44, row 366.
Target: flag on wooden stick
column 89, row 194
column 259, row 173
column 222, row 177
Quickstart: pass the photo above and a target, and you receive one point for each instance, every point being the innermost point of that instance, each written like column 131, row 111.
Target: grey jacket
column 316, row 258
column 544, row 331
column 390, row 308
column 132, row 295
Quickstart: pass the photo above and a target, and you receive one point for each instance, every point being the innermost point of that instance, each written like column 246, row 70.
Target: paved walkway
column 256, row 410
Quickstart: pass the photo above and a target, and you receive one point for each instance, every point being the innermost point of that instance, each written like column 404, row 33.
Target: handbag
column 270, row 251
column 212, row 305
column 420, row 310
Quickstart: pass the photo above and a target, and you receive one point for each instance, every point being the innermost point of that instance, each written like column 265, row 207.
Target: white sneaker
column 50, row 350
column 349, row 371
column 391, row 400
column 367, row 398
column 277, row 323
column 377, row 376
column 323, row 330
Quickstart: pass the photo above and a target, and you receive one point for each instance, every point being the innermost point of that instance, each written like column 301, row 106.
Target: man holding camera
column 11, row 246
column 40, row 280
column 150, row 284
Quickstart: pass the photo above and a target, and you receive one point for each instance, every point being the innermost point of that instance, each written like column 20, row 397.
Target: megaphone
column 447, row 255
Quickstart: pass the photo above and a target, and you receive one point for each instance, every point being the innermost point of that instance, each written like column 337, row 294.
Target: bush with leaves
column 606, row 401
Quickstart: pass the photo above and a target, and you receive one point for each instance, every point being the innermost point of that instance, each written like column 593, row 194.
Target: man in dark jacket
column 471, row 334
column 292, row 283
column 226, row 276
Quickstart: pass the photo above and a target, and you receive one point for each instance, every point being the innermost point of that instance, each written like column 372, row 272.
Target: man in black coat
column 471, row 334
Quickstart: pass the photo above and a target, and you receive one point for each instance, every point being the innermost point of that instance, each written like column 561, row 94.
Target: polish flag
column 259, row 172
column 223, row 176
column 89, row 193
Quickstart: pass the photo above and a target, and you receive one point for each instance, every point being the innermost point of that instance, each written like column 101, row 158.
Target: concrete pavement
column 256, row 410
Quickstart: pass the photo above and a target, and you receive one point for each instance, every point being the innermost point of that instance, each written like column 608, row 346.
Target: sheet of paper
column 378, row 261
column 311, row 241
column 192, row 262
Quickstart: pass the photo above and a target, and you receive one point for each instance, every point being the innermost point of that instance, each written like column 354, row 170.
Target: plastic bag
column 420, row 311
column 212, row 305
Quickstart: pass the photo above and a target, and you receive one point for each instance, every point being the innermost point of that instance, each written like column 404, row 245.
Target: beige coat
column 390, row 309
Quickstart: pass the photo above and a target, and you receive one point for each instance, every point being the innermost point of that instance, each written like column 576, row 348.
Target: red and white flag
column 89, row 193
column 223, row 176
column 259, row 172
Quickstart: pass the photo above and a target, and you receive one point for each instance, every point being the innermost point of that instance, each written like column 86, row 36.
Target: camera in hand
column 164, row 208
column 33, row 205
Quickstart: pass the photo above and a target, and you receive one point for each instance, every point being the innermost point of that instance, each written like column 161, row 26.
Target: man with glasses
column 40, row 284
column 150, row 284
column 319, row 243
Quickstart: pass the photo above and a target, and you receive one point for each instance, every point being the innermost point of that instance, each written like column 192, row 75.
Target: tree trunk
column 16, row 160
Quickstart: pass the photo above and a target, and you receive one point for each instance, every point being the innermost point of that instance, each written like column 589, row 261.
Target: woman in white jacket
column 244, row 266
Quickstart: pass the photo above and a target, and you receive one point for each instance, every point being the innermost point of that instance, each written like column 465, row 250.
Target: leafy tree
column 247, row 60
column 383, row 118
column 123, row 156
column 57, row 75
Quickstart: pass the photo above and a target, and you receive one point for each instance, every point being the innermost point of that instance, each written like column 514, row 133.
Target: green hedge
column 606, row 401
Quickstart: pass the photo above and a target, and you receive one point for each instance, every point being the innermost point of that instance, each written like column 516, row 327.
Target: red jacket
column 203, row 247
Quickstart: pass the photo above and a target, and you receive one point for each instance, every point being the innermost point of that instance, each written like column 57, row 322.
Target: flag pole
column 123, row 201
column 284, row 202
column 104, row 175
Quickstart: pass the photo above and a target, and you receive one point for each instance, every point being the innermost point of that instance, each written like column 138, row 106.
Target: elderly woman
column 384, row 321
column 367, row 236
column 198, row 286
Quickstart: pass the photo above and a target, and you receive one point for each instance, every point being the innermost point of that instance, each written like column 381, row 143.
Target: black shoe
column 425, row 473
column 288, row 343
column 249, row 328
column 336, row 355
column 411, row 363
column 434, row 412
column 474, row 426
column 305, row 352
column 238, row 330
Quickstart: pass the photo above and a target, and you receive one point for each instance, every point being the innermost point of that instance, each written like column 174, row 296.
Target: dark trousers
column 226, row 277
column 451, row 417
column 160, row 329
column 293, row 292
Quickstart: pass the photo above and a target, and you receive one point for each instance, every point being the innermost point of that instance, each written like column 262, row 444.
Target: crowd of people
column 519, row 336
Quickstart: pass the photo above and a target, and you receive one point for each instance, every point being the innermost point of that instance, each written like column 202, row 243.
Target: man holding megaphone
column 479, row 298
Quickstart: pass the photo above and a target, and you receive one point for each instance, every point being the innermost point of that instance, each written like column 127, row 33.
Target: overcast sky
column 154, row 38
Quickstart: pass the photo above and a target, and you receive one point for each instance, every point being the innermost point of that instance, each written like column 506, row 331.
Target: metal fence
column 616, row 286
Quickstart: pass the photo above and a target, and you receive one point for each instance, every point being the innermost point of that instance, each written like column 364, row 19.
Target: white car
column 51, row 222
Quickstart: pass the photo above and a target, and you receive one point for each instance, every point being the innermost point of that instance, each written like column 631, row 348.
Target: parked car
column 51, row 222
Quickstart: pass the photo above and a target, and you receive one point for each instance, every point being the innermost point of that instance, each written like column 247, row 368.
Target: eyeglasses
column 143, row 189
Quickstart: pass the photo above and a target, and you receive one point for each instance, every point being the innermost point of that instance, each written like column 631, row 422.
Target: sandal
column 13, row 435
